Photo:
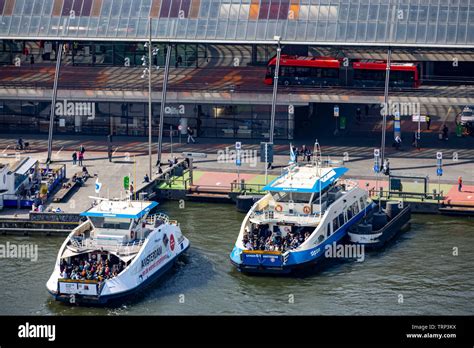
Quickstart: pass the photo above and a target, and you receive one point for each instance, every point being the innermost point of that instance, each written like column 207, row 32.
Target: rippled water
column 420, row 266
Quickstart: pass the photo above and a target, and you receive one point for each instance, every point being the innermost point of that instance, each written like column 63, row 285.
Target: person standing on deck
column 460, row 184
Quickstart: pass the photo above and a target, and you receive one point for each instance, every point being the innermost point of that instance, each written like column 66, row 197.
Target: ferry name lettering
column 152, row 256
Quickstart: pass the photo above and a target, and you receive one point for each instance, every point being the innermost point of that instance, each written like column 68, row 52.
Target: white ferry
column 305, row 210
column 119, row 249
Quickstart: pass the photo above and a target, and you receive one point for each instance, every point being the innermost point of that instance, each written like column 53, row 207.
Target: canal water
column 418, row 274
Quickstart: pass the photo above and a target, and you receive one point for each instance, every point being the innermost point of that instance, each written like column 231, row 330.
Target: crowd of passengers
column 91, row 269
column 262, row 238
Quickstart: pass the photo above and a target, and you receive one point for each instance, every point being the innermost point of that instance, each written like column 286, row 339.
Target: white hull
column 153, row 259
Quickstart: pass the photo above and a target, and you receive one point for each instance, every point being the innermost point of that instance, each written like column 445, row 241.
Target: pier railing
column 422, row 196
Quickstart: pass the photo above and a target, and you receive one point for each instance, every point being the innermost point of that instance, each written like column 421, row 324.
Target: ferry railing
column 130, row 248
column 270, row 214
column 152, row 219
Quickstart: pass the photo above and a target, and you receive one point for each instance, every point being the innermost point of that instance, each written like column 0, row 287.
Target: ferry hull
column 298, row 259
column 116, row 297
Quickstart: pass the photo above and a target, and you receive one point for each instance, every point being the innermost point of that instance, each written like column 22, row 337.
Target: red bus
column 317, row 71
column 372, row 74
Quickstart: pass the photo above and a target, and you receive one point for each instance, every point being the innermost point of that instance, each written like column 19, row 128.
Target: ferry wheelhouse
column 305, row 210
column 120, row 248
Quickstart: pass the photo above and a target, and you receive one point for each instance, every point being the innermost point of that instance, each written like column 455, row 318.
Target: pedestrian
column 20, row 144
column 110, row 154
column 460, row 184
column 445, row 132
column 32, row 59
column 146, row 178
column 428, row 122
column 190, row 135
column 308, row 154
column 358, row 114
column 81, row 158
column 82, row 149
column 296, row 152
column 131, row 188
column 74, row 158
column 398, row 142
column 386, row 166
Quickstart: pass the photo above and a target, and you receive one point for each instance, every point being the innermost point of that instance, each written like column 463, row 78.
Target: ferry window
column 328, row 230
column 355, row 208
column 320, row 238
column 114, row 223
column 349, row 213
column 335, row 225
column 341, row 219
column 362, row 205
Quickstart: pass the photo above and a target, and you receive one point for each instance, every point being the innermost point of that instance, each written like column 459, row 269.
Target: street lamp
column 275, row 88
column 163, row 101
column 147, row 63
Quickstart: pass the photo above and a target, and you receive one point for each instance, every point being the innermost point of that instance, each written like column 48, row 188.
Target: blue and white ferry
column 119, row 249
column 305, row 210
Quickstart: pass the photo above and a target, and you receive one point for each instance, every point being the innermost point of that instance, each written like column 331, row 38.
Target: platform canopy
column 305, row 179
column 314, row 22
column 120, row 209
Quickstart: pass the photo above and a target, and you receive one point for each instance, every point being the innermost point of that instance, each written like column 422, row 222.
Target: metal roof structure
column 304, row 179
column 416, row 23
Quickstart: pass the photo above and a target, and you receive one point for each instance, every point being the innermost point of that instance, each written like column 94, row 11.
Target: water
column 420, row 266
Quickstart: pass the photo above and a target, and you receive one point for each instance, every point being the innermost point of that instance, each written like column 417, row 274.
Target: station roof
column 342, row 22
column 121, row 209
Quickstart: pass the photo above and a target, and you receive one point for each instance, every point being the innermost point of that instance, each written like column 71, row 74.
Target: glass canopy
column 365, row 22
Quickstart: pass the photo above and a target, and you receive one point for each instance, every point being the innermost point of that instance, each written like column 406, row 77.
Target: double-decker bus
column 372, row 74
column 317, row 71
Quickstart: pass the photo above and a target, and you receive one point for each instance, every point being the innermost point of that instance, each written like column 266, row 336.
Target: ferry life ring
column 306, row 209
column 278, row 208
column 132, row 234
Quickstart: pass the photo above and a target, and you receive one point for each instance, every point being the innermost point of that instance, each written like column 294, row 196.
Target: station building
column 221, row 54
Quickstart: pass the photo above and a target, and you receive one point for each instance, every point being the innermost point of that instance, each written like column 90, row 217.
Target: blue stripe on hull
column 102, row 300
column 299, row 259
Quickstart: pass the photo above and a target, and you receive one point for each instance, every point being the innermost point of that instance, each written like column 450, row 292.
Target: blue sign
column 238, row 161
column 439, row 171
column 376, row 168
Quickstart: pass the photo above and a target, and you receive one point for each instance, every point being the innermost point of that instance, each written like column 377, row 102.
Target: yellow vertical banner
column 254, row 8
column 194, row 12
column 155, row 8
column 96, row 7
column 294, row 10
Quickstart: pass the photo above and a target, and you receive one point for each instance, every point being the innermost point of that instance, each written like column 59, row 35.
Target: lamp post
column 150, row 173
column 148, row 63
column 52, row 114
column 53, row 102
column 275, row 88
column 163, row 100
column 387, row 81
